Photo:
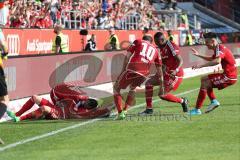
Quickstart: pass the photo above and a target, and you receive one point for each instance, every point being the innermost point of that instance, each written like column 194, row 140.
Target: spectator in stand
column 103, row 15
column 91, row 44
column 170, row 4
column 189, row 39
column 224, row 38
column 4, row 12
column 236, row 37
column 54, row 9
column 170, row 36
column 75, row 16
column 101, row 19
column 183, row 25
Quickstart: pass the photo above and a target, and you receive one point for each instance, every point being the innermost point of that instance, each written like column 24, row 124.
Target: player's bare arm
column 211, row 63
column 180, row 63
column 161, row 84
column 196, row 53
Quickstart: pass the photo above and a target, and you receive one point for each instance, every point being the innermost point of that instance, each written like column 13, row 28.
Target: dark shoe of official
column 185, row 104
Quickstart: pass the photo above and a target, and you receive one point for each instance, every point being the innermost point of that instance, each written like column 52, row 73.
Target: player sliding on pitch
column 66, row 104
column 222, row 55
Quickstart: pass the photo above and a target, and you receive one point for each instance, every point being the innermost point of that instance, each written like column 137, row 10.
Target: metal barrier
column 130, row 22
column 173, row 20
column 72, row 19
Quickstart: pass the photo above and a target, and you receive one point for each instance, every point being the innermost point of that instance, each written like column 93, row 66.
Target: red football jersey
column 144, row 55
column 227, row 60
column 64, row 91
column 168, row 53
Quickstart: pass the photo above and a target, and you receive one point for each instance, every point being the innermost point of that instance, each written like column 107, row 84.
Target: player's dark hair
column 91, row 103
column 158, row 36
column 147, row 38
column 210, row 35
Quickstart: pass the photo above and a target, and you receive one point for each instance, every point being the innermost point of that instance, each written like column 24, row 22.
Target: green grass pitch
column 213, row 136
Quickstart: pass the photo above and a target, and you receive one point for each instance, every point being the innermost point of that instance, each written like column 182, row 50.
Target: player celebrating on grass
column 222, row 55
column 172, row 73
column 67, row 104
column 140, row 57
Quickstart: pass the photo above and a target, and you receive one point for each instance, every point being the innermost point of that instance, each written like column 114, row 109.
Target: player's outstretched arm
column 196, row 53
column 180, row 63
column 211, row 63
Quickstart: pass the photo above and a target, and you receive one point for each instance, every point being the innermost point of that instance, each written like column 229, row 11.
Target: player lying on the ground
column 172, row 74
column 222, row 55
column 141, row 55
column 66, row 104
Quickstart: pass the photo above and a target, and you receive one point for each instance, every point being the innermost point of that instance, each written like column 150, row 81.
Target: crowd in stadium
column 89, row 14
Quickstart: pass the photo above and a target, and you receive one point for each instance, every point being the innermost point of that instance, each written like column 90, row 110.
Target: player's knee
column 45, row 109
column 205, row 82
column 36, row 99
column 204, row 79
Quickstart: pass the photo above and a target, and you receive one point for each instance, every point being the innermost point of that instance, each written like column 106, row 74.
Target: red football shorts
column 170, row 82
column 55, row 113
column 220, row 80
column 128, row 78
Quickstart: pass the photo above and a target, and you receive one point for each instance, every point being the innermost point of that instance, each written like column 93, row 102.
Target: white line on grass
column 74, row 126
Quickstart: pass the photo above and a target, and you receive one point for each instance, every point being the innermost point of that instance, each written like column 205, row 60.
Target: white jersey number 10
column 147, row 53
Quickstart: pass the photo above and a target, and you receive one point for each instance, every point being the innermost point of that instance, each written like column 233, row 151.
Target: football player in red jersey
column 172, row 73
column 66, row 104
column 222, row 55
column 140, row 57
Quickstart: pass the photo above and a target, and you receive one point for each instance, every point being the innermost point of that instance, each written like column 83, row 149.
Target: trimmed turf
column 214, row 136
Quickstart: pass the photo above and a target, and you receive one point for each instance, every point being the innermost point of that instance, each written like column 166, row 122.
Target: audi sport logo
column 13, row 42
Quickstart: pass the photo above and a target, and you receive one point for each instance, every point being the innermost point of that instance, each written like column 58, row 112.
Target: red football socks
column 149, row 95
column 130, row 100
column 25, row 107
column 211, row 94
column 35, row 114
column 118, row 102
column 201, row 97
column 171, row 98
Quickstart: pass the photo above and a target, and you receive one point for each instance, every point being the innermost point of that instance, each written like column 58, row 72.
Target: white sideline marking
column 75, row 126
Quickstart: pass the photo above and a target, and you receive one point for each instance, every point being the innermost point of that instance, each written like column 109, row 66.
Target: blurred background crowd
column 90, row 14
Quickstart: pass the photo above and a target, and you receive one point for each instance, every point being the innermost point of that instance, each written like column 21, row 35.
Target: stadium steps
column 217, row 16
column 206, row 18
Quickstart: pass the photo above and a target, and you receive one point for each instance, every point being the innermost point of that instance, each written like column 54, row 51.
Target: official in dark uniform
column 3, row 86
